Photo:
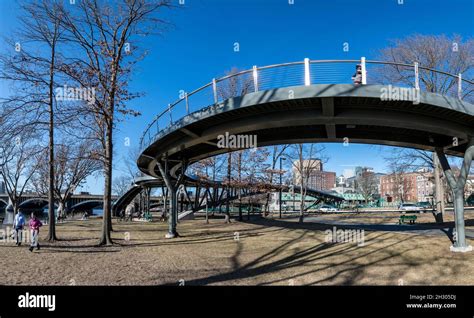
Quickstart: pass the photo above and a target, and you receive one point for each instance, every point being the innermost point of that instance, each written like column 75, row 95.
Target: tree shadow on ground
column 352, row 253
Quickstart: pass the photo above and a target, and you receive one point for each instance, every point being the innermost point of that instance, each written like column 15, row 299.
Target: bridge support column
column 173, row 194
column 457, row 187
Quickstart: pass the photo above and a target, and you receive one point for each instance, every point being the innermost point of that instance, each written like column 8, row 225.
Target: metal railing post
column 187, row 102
column 214, row 90
column 171, row 116
column 363, row 70
column 307, row 78
column 460, row 86
column 255, row 78
column 417, row 76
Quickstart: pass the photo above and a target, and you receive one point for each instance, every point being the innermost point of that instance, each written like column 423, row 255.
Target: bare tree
column 74, row 161
column 17, row 166
column 130, row 162
column 103, row 35
column 121, row 184
column 399, row 170
column 449, row 54
column 235, row 85
column 34, row 67
column 366, row 183
column 306, row 160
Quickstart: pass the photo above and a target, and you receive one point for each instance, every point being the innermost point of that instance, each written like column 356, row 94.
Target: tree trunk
column 52, row 220
column 240, row 206
column 172, row 232
column 227, row 212
column 248, row 210
column 106, row 218
column 303, row 197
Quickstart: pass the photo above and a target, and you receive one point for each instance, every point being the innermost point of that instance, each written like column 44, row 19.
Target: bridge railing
column 306, row 72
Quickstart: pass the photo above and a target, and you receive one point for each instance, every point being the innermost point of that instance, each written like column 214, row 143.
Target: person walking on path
column 129, row 211
column 34, row 225
column 18, row 224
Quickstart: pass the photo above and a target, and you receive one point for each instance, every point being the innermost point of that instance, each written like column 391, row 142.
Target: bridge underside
column 318, row 113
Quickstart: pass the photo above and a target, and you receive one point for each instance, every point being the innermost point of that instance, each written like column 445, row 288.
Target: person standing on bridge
column 357, row 77
column 18, row 224
column 34, row 225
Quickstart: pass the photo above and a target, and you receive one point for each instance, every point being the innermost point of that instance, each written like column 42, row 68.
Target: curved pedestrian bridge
column 315, row 101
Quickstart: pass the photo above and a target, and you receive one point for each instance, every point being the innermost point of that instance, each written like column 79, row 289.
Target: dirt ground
column 256, row 252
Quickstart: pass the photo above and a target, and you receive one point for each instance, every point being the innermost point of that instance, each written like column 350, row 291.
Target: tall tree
column 235, row 85
column 306, row 160
column 33, row 67
column 451, row 54
column 366, row 183
column 103, row 34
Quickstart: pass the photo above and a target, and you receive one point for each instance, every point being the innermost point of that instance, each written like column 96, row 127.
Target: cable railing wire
column 305, row 72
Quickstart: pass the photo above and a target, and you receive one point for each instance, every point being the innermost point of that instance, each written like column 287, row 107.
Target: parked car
column 425, row 206
column 327, row 208
column 408, row 207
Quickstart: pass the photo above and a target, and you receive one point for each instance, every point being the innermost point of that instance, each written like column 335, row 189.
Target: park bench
column 407, row 218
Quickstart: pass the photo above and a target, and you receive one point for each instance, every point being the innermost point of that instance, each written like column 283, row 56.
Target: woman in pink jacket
column 34, row 225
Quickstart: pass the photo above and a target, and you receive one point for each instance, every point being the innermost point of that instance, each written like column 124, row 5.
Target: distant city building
column 425, row 185
column 322, row 180
column 360, row 171
column 309, row 164
column 341, row 182
column 407, row 187
column 313, row 170
column 2, row 187
column 348, row 173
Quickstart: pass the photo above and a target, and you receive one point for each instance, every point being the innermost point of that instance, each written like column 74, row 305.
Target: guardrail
column 306, row 72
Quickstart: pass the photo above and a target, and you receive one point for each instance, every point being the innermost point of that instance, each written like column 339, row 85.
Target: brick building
column 407, row 187
column 317, row 178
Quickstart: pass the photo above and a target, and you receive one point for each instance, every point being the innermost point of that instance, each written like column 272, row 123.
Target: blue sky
column 200, row 46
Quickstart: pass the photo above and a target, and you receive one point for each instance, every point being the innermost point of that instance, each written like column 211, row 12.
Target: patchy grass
column 258, row 252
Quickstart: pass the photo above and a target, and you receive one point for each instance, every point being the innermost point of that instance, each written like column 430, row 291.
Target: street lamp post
column 281, row 175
